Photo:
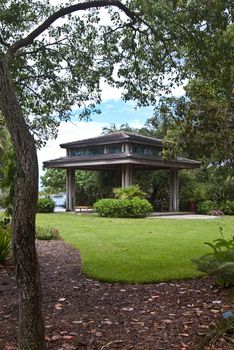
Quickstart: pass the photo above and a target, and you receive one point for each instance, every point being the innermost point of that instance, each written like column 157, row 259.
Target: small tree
column 129, row 193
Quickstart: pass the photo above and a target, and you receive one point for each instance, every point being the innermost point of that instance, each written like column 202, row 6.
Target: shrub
column 123, row 208
column 220, row 263
column 45, row 205
column 47, row 233
column 227, row 207
column 206, row 206
column 5, row 243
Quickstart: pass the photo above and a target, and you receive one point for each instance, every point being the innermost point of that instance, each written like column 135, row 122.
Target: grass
column 136, row 250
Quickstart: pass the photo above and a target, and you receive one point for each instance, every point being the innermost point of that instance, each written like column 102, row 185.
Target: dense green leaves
column 201, row 123
column 89, row 185
column 219, row 263
column 45, row 205
column 123, row 208
column 62, row 67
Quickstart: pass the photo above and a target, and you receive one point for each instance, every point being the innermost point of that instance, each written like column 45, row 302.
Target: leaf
column 62, row 299
column 127, row 309
column 167, row 321
column 58, row 306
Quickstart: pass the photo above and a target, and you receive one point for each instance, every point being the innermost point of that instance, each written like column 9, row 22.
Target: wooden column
column 174, row 190
column 70, row 190
column 126, row 175
column 118, row 177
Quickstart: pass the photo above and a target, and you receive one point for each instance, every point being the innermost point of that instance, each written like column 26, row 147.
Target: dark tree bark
column 31, row 327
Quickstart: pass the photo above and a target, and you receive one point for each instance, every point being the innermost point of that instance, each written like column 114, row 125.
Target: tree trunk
column 31, row 327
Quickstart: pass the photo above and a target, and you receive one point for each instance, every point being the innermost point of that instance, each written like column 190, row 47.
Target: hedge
column 123, row 208
column 45, row 205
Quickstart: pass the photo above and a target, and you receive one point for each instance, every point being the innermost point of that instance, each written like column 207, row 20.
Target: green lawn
column 136, row 250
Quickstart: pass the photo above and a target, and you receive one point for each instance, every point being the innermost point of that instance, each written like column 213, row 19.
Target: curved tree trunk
column 31, row 327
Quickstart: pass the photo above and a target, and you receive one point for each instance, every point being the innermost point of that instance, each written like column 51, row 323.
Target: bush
column 123, row 208
column 5, row 243
column 227, row 207
column 47, row 233
column 220, row 263
column 206, row 206
column 45, row 205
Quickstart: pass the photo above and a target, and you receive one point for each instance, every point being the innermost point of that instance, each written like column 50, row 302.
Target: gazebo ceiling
column 111, row 151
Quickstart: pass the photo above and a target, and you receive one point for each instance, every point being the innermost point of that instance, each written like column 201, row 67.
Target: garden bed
column 84, row 314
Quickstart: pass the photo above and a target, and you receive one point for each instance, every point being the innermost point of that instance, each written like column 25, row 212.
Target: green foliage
column 206, row 206
column 3, row 199
column 47, row 233
column 5, row 243
column 149, row 48
column 4, row 136
column 123, row 208
column 129, row 192
column 212, row 182
column 209, row 206
column 223, row 328
column 89, row 185
column 45, row 205
column 8, row 166
column 220, row 263
column 6, row 218
column 9, row 173
column 192, row 119
column 53, row 181
column 227, row 207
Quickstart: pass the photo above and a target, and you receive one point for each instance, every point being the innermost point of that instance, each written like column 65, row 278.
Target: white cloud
column 178, row 91
column 109, row 92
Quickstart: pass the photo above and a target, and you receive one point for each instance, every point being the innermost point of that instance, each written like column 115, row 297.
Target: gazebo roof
column 115, row 137
column 113, row 160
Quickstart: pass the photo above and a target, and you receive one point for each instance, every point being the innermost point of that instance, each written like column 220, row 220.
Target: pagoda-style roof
column 112, row 138
column 115, row 149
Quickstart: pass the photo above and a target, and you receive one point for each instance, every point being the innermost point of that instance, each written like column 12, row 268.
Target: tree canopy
column 59, row 64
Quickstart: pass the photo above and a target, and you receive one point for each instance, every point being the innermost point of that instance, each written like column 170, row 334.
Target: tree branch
column 40, row 48
column 28, row 40
column 3, row 42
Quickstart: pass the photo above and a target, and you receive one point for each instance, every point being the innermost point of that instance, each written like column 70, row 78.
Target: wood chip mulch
column 81, row 313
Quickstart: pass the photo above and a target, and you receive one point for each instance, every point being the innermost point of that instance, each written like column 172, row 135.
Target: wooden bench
column 81, row 208
column 161, row 206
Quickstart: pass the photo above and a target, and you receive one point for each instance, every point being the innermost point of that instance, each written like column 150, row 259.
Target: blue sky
column 120, row 112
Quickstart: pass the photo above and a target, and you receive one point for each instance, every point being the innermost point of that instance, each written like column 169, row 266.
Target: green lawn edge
column 137, row 250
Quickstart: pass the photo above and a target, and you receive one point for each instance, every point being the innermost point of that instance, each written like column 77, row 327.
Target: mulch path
column 81, row 313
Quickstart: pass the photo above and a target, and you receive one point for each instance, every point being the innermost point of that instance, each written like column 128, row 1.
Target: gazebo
column 122, row 153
